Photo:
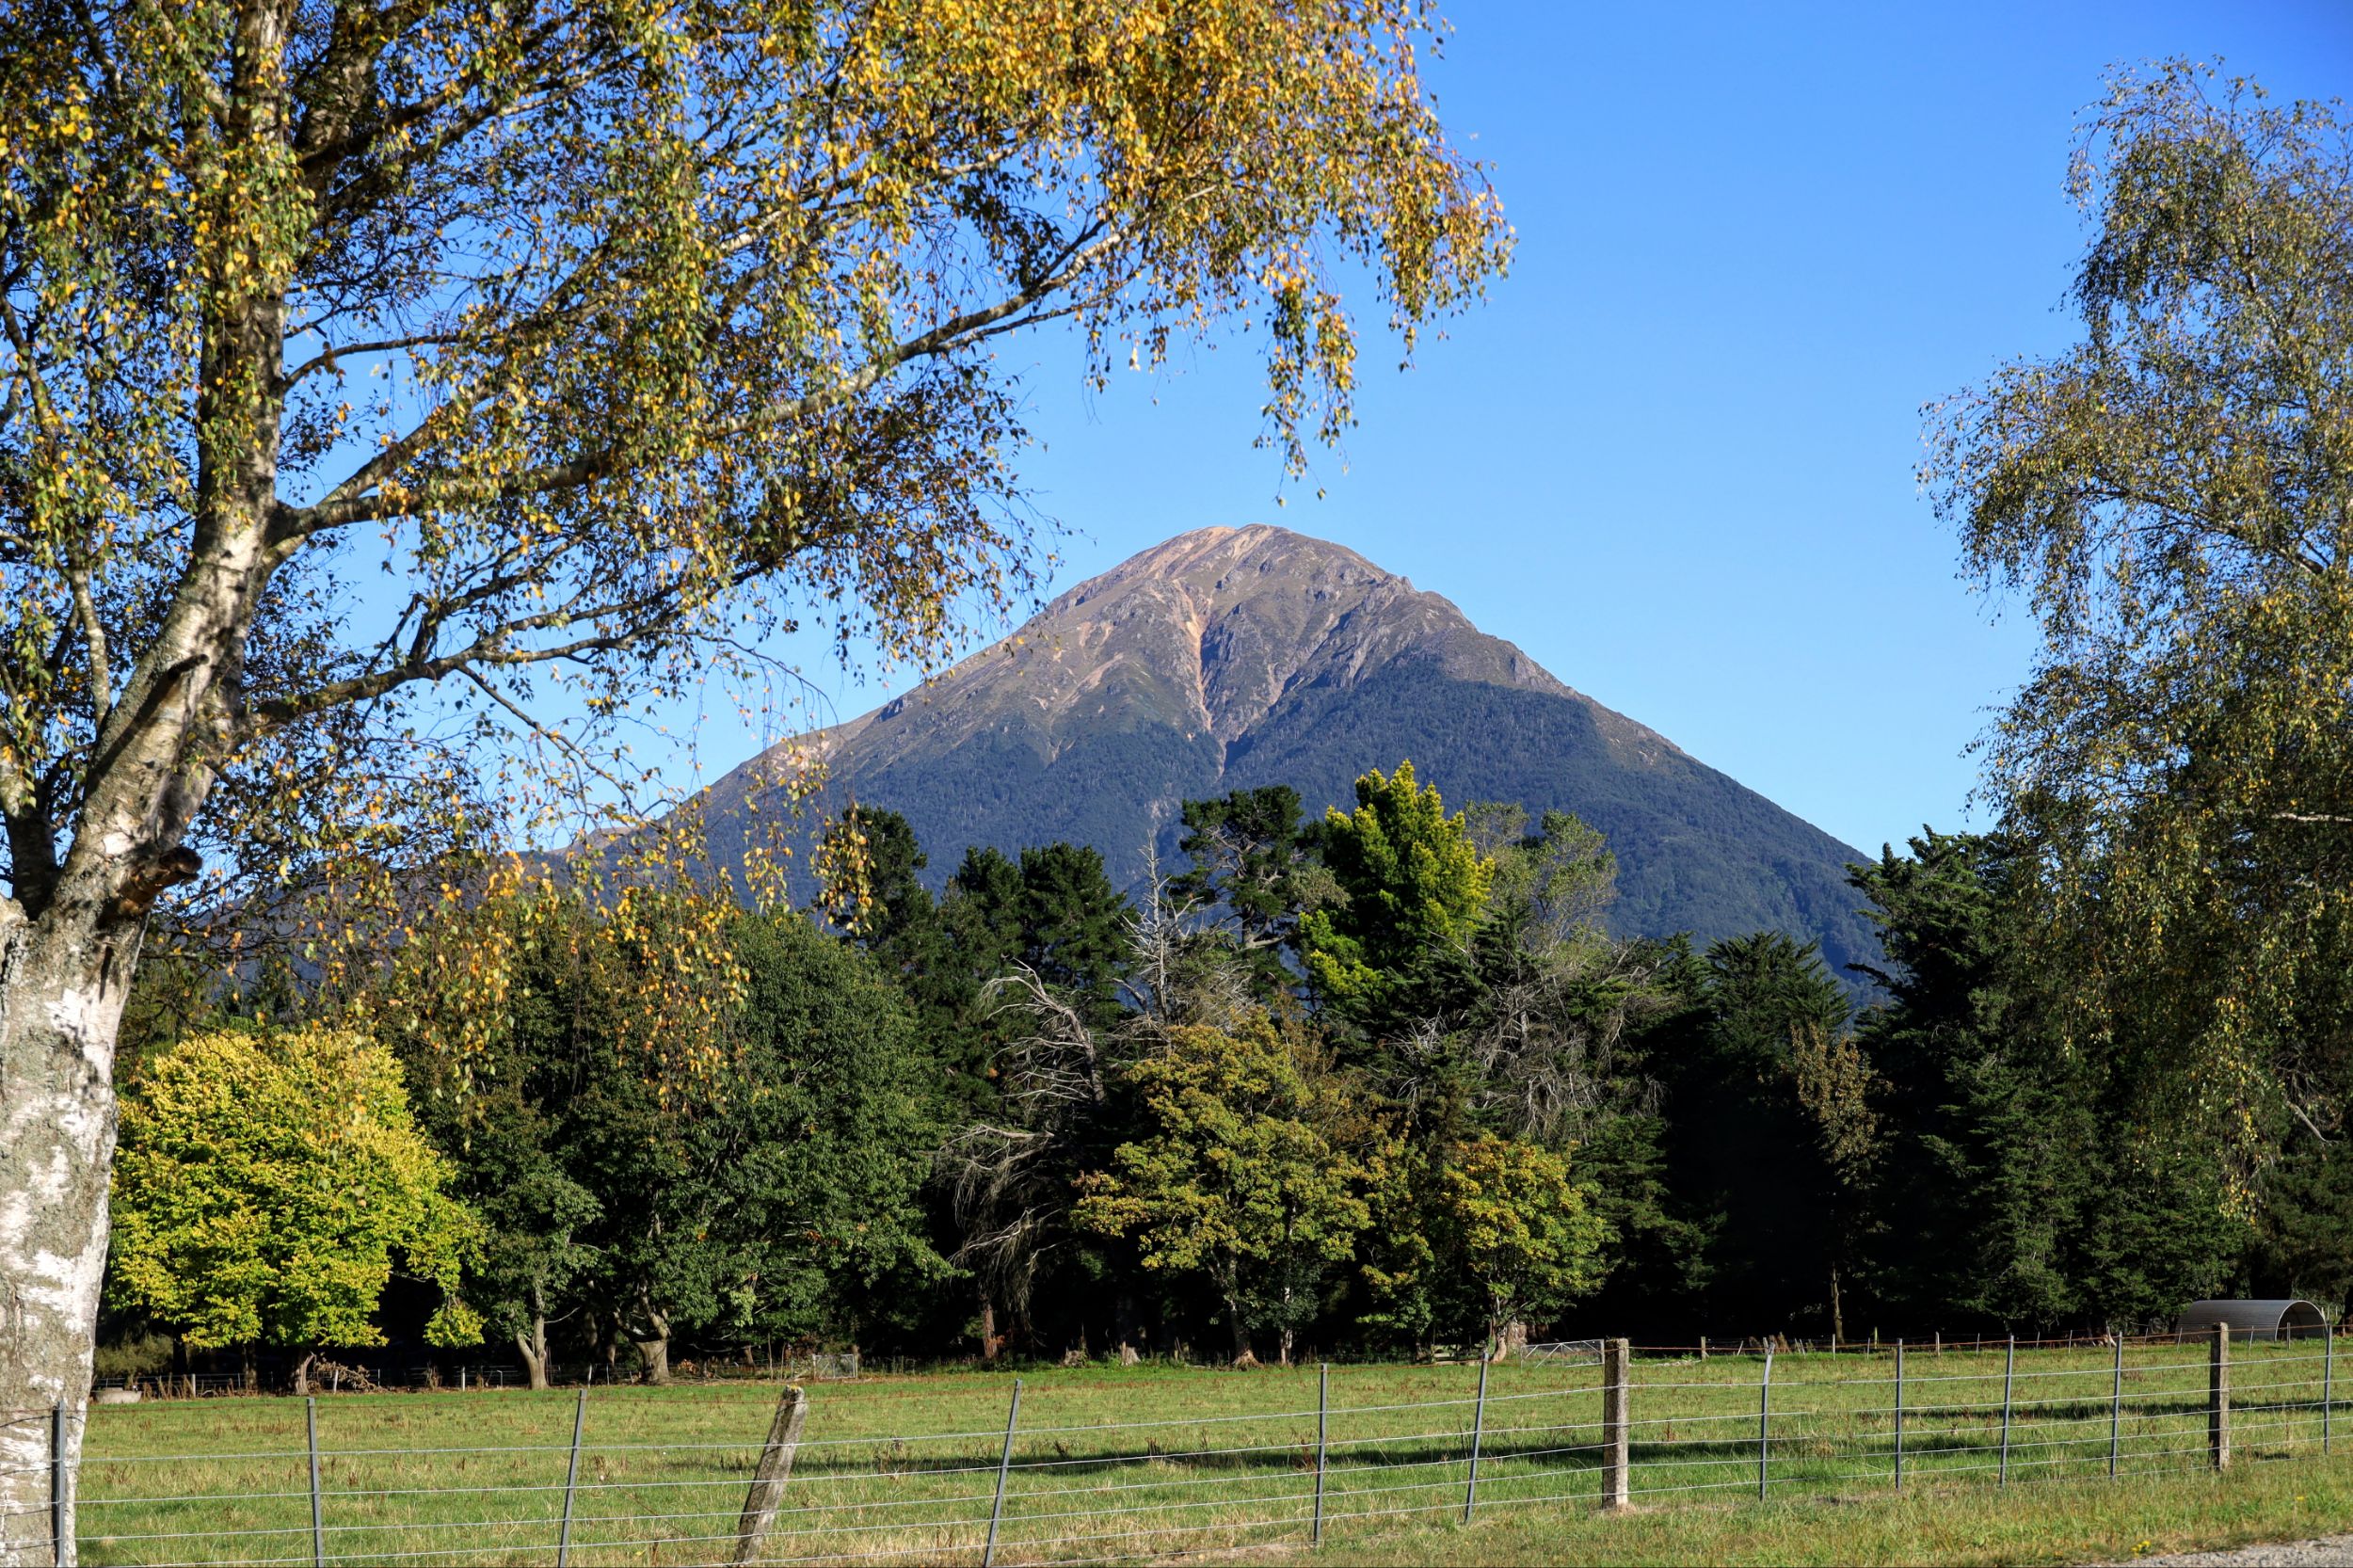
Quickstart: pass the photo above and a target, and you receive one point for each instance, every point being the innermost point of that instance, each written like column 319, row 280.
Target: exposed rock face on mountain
column 1234, row 657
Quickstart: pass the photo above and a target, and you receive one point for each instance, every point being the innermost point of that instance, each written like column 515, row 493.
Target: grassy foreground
column 2054, row 1522
column 1152, row 1460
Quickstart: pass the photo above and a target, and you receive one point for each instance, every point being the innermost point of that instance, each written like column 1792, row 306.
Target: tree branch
column 569, row 748
column 358, row 499
column 94, row 639
column 325, row 358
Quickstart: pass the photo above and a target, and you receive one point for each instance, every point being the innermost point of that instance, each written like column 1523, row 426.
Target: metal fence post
column 1478, row 1435
column 2328, row 1380
column 1004, row 1464
column 2009, row 1375
column 1899, row 1414
column 61, row 1545
column 318, row 1515
column 1617, row 1427
column 2116, row 1408
column 1324, row 1432
column 2218, row 1398
column 1764, row 1421
column 571, row 1475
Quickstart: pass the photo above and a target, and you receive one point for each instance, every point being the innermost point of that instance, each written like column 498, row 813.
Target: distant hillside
column 1228, row 658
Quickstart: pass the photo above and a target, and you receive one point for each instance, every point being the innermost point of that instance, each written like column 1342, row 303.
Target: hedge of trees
column 1374, row 1084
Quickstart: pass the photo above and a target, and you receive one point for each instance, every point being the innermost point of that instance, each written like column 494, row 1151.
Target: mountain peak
column 1209, row 632
column 1214, row 563
column 1227, row 658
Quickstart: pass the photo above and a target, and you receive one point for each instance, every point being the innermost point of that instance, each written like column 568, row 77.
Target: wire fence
column 958, row 1469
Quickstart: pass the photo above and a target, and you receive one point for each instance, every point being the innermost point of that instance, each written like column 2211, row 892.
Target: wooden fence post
column 769, row 1476
column 2218, row 1398
column 2116, row 1407
column 1617, row 1430
column 1900, row 1416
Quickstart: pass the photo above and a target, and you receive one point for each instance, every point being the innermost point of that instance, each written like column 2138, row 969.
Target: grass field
column 2057, row 1522
column 1154, row 1460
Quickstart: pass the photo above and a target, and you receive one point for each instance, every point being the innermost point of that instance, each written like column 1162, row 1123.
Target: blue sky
column 1672, row 457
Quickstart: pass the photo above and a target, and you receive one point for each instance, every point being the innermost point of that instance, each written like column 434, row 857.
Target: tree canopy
column 1237, row 1177
column 270, row 1183
column 618, row 336
column 764, row 1198
column 1035, row 1115
column 1412, row 887
column 1518, row 1228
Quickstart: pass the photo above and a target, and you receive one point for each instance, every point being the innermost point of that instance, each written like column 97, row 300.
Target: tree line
column 1378, row 1082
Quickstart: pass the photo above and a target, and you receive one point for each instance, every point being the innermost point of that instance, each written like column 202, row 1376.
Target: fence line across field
column 1032, row 1491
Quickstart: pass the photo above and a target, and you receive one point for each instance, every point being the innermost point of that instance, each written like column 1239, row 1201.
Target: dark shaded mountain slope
column 1228, row 658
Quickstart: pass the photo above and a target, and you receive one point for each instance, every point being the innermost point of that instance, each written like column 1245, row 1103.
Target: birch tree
column 2172, row 497
column 373, row 369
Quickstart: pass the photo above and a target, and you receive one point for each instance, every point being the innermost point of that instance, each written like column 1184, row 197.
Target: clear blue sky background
column 1672, row 457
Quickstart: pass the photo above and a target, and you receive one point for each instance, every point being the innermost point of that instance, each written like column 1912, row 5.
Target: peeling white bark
column 58, row 1014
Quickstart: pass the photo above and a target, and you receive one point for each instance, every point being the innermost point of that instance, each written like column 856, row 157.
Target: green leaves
column 1237, row 1177
column 1519, row 1226
column 267, row 1183
column 761, row 1191
column 596, row 343
column 1413, row 888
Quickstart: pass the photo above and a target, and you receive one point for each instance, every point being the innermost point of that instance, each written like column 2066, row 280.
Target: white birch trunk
column 61, row 992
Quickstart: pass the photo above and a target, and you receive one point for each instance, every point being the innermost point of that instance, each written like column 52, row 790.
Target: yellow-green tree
column 1512, row 1215
column 1239, row 1178
column 1413, row 888
column 585, row 346
column 268, row 1183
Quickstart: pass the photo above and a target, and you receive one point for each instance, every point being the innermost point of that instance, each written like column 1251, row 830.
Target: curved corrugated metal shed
column 2290, row 1319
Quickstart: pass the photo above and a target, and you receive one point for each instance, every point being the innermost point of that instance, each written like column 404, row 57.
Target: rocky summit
column 1229, row 658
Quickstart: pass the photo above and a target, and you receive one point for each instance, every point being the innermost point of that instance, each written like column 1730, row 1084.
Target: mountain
column 1228, row 658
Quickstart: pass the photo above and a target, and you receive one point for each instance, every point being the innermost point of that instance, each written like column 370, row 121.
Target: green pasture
column 1154, row 1460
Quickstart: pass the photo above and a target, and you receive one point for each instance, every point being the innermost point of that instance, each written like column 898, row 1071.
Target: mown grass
column 1137, row 1462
